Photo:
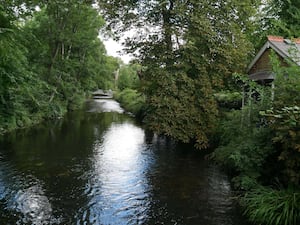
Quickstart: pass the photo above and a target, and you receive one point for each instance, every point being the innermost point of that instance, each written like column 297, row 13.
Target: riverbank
column 132, row 101
column 248, row 154
column 26, row 118
column 259, row 172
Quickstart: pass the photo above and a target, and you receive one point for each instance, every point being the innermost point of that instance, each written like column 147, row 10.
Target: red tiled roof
column 275, row 38
column 282, row 47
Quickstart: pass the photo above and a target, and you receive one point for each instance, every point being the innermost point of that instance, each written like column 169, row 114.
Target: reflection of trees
column 148, row 136
column 186, row 189
column 52, row 143
column 66, row 164
column 56, row 154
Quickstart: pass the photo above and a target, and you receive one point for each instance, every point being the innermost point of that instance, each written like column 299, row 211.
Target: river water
column 99, row 166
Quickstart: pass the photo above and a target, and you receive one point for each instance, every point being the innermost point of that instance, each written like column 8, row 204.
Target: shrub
column 229, row 100
column 132, row 101
column 245, row 144
column 285, row 124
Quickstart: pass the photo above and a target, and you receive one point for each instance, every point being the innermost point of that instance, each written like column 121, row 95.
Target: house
column 260, row 69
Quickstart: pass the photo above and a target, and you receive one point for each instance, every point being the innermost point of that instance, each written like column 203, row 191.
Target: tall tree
column 187, row 49
column 50, row 56
column 128, row 77
column 288, row 12
column 21, row 91
column 68, row 52
column 278, row 17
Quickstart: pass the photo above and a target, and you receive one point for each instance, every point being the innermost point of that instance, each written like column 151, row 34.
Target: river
column 99, row 166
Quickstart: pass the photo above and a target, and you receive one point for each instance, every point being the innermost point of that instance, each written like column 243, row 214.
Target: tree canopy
column 51, row 57
column 188, row 49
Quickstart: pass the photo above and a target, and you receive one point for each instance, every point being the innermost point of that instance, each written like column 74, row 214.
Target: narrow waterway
column 99, row 166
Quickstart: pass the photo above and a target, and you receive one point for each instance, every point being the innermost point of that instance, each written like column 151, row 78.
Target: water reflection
column 119, row 166
column 104, row 105
column 102, row 168
column 25, row 196
column 186, row 189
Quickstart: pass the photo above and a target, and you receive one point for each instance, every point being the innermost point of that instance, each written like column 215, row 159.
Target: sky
column 113, row 48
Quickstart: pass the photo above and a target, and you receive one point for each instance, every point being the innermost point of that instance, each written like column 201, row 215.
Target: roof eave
column 267, row 45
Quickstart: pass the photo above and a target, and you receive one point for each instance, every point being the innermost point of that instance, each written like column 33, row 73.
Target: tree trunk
column 167, row 26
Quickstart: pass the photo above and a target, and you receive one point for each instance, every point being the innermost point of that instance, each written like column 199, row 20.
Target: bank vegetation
column 186, row 81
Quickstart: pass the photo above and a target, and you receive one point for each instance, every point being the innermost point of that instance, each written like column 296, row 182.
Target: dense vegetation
column 51, row 57
column 128, row 91
column 187, row 78
column 184, row 83
column 184, row 58
column 260, row 145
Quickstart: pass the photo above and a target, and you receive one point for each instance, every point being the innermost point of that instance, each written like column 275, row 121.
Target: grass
column 273, row 207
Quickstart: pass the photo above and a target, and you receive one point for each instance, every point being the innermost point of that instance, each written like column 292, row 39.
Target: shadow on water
column 98, row 166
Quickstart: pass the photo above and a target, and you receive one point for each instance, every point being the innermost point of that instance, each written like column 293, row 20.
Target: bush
column 245, row 144
column 132, row 101
column 260, row 143
column 285, row 124
column 229, row 100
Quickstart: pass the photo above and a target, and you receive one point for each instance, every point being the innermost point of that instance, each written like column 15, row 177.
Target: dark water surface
column 98, row 166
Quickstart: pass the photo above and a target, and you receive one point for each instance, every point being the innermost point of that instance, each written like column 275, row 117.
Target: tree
column 60, row 43
column 187, row 49
column 278, row 17
column 128, row 77
column 68, row 53
column 22, row 92
column 288, row 16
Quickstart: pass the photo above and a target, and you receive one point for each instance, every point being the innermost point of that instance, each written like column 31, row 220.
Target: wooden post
column 272, row 91
column 243, row 99
column 243, row 106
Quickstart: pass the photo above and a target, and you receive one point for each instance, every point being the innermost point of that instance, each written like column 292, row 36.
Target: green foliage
column 229, row 99
column 181, row 106
column 184, row 59
column 284, row 119
column 68, row 53
column 288, row 14
column 128, row 77
column 245, row 144
column 21, row 91
column 285, row 124
column 228, row 96
column 49, row 59
column 261, row 140
column 244, row 147
column 287, row 81
column 273, row 207
column 276, row 17
column 132, row 101
column 104, row 72
column 250, row 143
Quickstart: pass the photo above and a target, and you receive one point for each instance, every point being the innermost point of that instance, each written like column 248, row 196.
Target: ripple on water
column 104, row 105
column 103, row 169
column 25, row 198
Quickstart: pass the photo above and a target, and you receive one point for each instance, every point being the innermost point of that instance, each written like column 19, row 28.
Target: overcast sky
column 113, row 48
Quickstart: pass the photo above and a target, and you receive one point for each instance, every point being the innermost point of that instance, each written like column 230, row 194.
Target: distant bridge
column 103, row 94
